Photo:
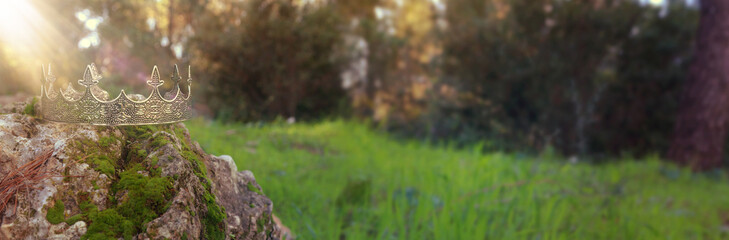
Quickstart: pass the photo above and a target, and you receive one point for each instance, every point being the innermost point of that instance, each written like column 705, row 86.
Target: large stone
column 98, row 173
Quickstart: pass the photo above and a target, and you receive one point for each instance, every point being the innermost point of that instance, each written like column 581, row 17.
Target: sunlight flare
column 19, row 20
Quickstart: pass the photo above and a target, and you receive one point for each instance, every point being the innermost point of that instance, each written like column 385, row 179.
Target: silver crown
column 92, row 106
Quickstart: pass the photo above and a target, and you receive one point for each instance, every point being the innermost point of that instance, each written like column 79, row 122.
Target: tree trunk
column 701, row 124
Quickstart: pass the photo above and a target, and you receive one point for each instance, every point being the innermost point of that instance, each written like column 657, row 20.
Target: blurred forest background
column 598, row 78
column 487, row 114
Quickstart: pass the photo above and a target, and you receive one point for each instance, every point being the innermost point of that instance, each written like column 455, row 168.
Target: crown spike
column 189, row 75
column 154, row 79
column 89, row 79
column 49, row 77
column 44, row 79
column 155, row 73
column 94, row 73
column 176, row 75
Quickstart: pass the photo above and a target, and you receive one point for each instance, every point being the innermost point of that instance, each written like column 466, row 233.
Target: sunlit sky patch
column 91, row 23
column 92, row 39
column 19, row 22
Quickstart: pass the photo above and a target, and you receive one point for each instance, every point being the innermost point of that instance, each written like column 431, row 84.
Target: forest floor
column 339, row 179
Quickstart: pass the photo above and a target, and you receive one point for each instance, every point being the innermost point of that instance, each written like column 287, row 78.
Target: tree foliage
column 277, row 59
column 584, row 76
column 551, row 73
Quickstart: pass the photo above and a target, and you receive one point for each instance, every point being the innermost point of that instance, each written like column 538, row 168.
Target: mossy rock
column 136, row 182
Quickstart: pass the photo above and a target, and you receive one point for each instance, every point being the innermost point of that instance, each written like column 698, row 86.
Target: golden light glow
column 19, row 21
column 28, row 39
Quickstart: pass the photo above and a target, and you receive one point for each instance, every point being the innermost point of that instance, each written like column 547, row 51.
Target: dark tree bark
column 701, row 124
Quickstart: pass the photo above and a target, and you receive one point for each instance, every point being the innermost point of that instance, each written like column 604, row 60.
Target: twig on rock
column 24, row 178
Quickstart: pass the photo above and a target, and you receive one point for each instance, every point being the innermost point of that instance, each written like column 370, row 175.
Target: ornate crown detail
column 92, row 106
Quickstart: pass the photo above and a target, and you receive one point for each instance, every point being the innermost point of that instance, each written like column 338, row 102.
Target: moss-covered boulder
column 135, row 182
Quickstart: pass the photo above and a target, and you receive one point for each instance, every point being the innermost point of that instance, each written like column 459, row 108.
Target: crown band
column 87, row 108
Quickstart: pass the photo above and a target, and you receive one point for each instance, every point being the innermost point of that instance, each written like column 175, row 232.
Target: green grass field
column 340, row 179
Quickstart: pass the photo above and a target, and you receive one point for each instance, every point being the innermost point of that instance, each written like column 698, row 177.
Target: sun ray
column 18, row 21
column 33, row 33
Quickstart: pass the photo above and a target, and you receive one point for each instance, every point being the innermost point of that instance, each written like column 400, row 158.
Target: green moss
column 66, row 178
column 109, row 224
column 141, row 153
column 100, row 155
column 189, row 211
column 103, row 164
column 214, row 218
column 55, row 214
column 159, row 141
column 132, row 154
column 147, row 197
column 154, row 169
column 30, row 107
column 184, row 236
column 260, row 225
column 198, row 165
column 253, row 188
column 215, row 215
column 153, row 161
column 179, row 133
column 75, row 218
column 86, row 206
column 106, row 141
column 139, row 132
